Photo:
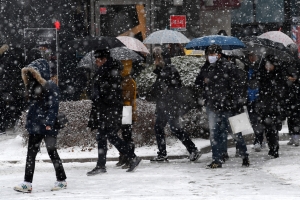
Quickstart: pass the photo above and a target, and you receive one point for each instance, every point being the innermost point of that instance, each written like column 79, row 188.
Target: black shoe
column 246, row 162
column 2, row 132
column 97, row 170
column 160, row 158
column 195, row 155
column 214, row 165
column 225, row 157
column 273, row 154
column 122, row 160
column 134, row 163
column 127, row 165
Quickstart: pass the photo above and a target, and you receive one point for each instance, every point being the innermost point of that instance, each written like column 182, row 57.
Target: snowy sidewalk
column 11, row 142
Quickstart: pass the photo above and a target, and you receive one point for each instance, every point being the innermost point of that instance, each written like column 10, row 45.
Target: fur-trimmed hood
column 40, row 69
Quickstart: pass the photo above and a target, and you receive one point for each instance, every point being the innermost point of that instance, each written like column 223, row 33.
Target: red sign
column 178, row 22
column 103, row 10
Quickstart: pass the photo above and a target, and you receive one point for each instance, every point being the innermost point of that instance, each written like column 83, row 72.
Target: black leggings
column 33, row 148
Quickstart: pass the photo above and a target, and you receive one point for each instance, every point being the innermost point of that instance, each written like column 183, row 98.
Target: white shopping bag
column 240, row 122
column 127, row 115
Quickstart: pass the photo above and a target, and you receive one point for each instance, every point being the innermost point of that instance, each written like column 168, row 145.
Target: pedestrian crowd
column 263, row 86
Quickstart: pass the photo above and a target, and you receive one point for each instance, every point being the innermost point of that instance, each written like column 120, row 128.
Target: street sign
column 103, row 10
column 178, row 22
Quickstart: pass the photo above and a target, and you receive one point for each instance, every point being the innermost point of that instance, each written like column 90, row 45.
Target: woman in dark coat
column 166, row 91
column 43, row 98
column 271, row 103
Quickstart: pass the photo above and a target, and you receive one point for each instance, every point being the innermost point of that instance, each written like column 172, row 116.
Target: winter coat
column 43, row 109
column 293, row 88
column 129, row 88
column 107, row 96
column 166, row 89
column 11, row 62
column 223, row 86
column 271, row 102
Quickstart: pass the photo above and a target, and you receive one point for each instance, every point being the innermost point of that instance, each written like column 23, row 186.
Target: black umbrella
column 87, row 44
column 118, row 53
column 265, row 47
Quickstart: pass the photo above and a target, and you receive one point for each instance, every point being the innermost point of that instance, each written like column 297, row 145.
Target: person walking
column 252, row 67
column 165, row 89
column 271, row 102
column 129, row 99
column 291, row 76
column 222, row 84
column 43, row 98
column 106, row 113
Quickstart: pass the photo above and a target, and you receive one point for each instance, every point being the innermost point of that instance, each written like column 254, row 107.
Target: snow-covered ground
column 179, row 179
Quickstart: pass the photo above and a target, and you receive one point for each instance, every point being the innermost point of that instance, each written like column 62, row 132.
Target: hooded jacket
column 43, row 109
column 107, row 96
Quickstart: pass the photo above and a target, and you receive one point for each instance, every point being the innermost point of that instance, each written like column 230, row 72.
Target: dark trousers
column 111, row 135
column 3, row 115
column 272, row 138
column 160, row 123
column 256, row 123
column 294, row 125
column 127, row 135
column 33, row 148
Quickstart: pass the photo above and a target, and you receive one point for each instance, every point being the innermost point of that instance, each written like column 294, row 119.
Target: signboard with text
column 178, row 22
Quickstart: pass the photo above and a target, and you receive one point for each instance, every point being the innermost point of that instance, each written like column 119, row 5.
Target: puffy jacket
column 43, row 109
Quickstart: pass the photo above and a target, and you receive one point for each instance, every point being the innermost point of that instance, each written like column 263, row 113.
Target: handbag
column 127, row 115
column 240, row 122
column 61, row 121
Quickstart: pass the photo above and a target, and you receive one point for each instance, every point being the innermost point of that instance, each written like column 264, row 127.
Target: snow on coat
column 44, row 109
column 107, row 96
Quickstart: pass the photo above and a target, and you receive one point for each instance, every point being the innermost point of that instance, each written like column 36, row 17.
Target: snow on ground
column 179, row 179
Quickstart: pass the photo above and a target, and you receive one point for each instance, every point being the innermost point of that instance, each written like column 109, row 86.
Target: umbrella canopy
column 133, row 44
column 264, row 47
column 166, row 36
column 118, row 53
column 277, row 36
column 88, row 44
column 226, row 42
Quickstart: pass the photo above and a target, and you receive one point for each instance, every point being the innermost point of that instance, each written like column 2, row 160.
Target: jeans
column 161, row 121
column 219, row 128
column 33, row 148
column 111, row 135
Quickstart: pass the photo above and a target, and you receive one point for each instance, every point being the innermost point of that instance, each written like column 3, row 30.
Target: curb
column 247, row 137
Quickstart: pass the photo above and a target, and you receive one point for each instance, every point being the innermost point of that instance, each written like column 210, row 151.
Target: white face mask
column 212, row 59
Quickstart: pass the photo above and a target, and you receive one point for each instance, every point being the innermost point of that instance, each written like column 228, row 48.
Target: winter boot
column 59, row 185
column 97, row 170
column 195, row 155
column 127, row 163
column 122, row 160
column 159, row 158
column 291, row 141
column 25, row 187
column 296, row 140
column 246, row 162
column 134, row 163
column 214, row 165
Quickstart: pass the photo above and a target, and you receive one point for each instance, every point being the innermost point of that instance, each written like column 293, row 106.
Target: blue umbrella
column 226, row 42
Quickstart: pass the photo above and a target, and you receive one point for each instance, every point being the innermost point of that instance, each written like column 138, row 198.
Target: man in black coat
column 166, row 90
column 106, row 113
column 223, row 87
column 271, row 102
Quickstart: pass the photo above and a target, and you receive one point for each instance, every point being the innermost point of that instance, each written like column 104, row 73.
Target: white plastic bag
column 127, row 115
column 240, row 122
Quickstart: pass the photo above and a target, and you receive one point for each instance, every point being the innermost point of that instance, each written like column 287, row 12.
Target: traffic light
column 57, row 25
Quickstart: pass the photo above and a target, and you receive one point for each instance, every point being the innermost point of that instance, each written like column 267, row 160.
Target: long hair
column 157, row 55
